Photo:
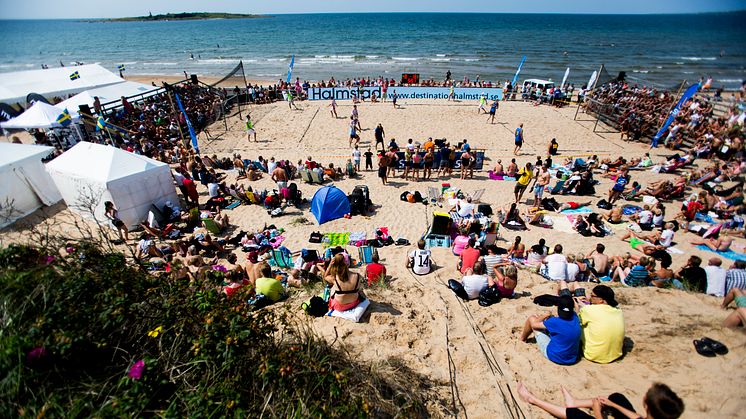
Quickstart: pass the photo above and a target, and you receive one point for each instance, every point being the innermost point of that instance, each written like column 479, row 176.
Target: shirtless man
column 541, row 182
column 614, row 216
column 512, row 168
column 499, row 169
column 721, row 244
column 600, row 265
column 279, row 176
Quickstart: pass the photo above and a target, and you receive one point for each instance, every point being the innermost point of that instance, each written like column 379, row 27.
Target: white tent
column 24, row 184
column 39, row 115
column 87, row 175
column 108, row 94
column 16, row 85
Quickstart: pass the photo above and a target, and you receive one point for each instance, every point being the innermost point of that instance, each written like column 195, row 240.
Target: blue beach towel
column 582, row 210
column 730, row 254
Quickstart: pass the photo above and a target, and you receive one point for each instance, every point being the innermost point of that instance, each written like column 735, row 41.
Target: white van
column 528, row 91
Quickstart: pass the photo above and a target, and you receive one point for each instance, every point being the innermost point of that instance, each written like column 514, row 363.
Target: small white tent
column 24, row 184
column 16, row 85
column 39, row 115
column 87, row 175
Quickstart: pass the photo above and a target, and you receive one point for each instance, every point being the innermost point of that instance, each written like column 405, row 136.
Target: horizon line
column 411, row 12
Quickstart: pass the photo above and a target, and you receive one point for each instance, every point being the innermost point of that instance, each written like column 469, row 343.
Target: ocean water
column 661, row 50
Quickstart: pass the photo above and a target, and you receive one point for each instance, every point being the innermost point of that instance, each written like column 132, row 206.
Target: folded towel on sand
column 563, row 224
column 336, row 239
column 730, row 254
column 354, row 314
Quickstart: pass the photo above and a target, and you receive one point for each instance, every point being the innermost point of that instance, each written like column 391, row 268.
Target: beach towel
column 233, row 205
column 354, row 314
column 562, row 224
column 357, row 236
column 675, row 250
column 730, row 254
column 494, row 176
column 581, row 210
column 276, row 241
column 336, row 239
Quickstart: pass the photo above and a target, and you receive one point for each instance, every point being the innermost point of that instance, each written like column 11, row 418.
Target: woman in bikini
column 517, row 249
column 345, row 285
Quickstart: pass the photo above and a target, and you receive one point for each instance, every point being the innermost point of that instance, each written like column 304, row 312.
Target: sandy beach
column 473, row 354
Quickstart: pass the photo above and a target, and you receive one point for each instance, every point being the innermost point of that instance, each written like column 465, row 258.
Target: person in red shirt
column 688, row 214
column 375, row 271
column 469, row 256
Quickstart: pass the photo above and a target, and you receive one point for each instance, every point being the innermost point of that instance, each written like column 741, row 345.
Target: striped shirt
column 490, row 261
column 735, row 278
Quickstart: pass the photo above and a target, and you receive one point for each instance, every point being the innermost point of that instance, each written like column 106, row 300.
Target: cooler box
column 439, row 234
column 444, row 187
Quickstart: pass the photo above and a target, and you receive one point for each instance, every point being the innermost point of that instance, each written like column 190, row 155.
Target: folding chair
column 366, row 254
column 492, row 232
column 281, row 258
column 211, row 225
column 477, row 195
column 305, row 175
column 558, row 187
column 315, row 177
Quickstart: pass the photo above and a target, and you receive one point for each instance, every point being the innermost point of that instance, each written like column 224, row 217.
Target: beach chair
column 365, row 254
column 558, row 187
column 305, row 175
column 211, row 225
column 492, row 232
column 477, row 195
column 315, row 177
column 281, row 258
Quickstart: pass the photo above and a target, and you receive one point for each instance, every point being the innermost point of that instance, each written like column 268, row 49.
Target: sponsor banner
column 478, row 160
column 403, row 93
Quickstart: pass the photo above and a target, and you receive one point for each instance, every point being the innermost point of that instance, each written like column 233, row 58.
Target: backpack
column 316, row 306
column 489, row 296
column 604, row 204
column 316, row 237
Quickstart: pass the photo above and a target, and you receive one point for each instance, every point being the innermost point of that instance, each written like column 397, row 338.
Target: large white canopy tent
column 16, row 85
column 39, row 115
column 108, row 94
column 90, row 174
column 24, row 184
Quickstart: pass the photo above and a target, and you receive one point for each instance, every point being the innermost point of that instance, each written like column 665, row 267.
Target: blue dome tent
column 329, row 203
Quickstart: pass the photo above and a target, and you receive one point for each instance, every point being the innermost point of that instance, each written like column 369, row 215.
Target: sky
column 67, row 9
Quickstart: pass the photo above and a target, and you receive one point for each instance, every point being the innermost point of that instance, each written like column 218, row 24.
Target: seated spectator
column 517, row 249
column 472, row 283
column 492, row 259
column 715, row 277
column 346, row 292
column 638, row 275
column 468, row 256
column 603, row 326
column 460, row 242
column 662, row 277
column 693, row 276
column 268, row 286
column 660, row 402
column 735, row 277
column 555, row 265
column 504, row 280
column 419, row 259
column 375, row 271
column 599, row 261
column 558, row 338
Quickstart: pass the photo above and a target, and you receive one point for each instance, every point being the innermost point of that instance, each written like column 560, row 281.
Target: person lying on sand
column 659, row 402
column 720, row 244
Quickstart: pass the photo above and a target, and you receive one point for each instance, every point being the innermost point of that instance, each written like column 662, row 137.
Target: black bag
column 316, row 237
column 485, row 209
column 604, row 204
column 546, row 300
column 489, row 296
column 316, row 307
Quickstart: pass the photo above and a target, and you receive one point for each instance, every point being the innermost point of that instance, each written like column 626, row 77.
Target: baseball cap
column 565, row 308
column 605, row 293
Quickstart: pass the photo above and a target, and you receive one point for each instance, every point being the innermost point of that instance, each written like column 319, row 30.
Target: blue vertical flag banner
column 290, row 68
column 515, row 78
column 189, row 124
column 675, row 111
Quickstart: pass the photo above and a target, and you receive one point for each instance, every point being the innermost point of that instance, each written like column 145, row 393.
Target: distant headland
column 187, row 16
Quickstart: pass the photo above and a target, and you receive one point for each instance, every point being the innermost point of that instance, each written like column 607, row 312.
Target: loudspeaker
column 194, row 79
column 84, row 110
column 622, row 75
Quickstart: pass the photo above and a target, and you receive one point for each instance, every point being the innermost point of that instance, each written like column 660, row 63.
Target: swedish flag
column 64, row 119
column 100, row 123
column 121, row 67
column 74, row 76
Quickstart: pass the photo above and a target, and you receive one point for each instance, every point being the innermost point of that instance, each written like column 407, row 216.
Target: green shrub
column 88, row 335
